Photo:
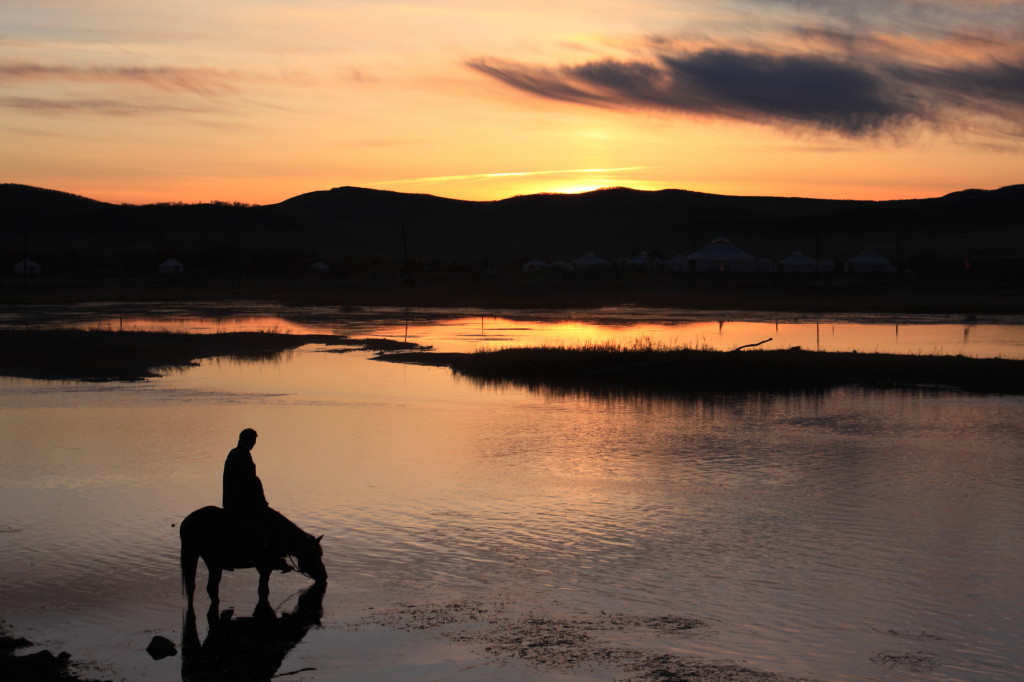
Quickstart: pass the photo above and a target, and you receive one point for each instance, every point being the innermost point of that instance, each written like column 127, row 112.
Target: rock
column 161, row 647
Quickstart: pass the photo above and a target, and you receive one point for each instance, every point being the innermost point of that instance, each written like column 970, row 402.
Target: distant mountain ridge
column 348, row 223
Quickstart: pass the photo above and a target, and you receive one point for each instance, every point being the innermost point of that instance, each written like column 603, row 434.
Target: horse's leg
column 189, row 560
column 213, row 582
column 263, row 591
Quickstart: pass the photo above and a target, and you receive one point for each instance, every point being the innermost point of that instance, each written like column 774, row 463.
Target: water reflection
column 463, row 330
column 247, row 648
column 820, row 533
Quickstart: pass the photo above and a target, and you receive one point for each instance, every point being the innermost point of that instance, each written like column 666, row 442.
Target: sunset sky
column 261, row 100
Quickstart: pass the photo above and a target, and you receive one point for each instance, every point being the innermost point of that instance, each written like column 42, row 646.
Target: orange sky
column 263, row 100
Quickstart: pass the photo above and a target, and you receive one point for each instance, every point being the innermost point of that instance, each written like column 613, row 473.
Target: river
column 845, row 535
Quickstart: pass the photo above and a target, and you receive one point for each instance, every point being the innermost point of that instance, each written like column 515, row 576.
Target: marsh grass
column 104, row 355
column 647, row 366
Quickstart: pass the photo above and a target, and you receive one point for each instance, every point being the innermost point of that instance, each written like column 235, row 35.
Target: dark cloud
column 852, row 97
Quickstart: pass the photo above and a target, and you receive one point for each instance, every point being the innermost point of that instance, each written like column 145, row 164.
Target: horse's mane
column 292, row 531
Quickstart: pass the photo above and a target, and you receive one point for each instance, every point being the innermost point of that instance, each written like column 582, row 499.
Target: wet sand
column 481, row 642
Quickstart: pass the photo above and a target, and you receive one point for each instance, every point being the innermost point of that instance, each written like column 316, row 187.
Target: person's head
column 247, row 439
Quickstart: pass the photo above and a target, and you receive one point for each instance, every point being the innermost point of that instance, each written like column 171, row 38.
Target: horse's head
column 310, row 556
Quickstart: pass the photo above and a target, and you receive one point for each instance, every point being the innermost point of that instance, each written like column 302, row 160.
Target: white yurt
column 797, row 262
column 678, row 263
column 27, row 267
column 644, row 260
column 320, row 268
column 559, row 265
column 869, row 261
column 590, row 261
column 535, row 265
column 171, row 266
column 721, row 254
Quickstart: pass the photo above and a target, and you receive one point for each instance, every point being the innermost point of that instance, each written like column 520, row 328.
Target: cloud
column 852, row 68
column 90, row 105
column 851, row 97
column 492, row 176
column 207, row 82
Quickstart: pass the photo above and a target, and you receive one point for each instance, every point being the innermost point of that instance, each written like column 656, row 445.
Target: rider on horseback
column 253, row 523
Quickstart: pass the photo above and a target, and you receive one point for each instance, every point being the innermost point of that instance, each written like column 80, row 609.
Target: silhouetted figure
column 253, row 527
column 243, row 490
column 247, row 649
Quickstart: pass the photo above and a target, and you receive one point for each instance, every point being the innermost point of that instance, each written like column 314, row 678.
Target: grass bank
column 673, row 370
column 100, row 355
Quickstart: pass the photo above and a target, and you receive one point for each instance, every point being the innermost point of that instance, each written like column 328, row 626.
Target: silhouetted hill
column 83, row 237
column 27, row 200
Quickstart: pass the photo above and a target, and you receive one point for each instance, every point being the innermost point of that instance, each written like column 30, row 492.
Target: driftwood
column 751, row 345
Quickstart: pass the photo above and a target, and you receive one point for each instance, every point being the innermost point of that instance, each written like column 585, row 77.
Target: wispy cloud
column 493, row 176
column 198, row 81
column 91, row 105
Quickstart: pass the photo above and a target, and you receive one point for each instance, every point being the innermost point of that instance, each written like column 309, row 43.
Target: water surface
column 848, row 535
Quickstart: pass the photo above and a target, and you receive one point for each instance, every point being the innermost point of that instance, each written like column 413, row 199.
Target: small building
column 868, row 262
column 171, row 266
column 678, row 263
column 723, row 255
column 645, row 260
column 27, row 267
column 534, row 266
column 797, row 262
column 590, row 262
column 320, row 268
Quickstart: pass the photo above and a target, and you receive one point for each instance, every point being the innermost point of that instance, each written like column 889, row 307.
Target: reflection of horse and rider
column 247, row 648
column 245, row 533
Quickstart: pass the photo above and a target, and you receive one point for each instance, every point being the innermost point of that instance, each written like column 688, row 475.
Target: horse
column 207, row 533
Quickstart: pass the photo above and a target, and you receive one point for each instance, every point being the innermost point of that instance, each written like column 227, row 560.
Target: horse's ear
column 319, row 539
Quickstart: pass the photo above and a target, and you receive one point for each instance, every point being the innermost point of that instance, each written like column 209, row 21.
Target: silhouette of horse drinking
column 208, row 533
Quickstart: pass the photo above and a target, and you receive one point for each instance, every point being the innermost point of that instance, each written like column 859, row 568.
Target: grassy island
column 672, row 370
column 100, row 355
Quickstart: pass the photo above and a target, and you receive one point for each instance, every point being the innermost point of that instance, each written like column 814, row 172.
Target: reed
column 104, row 355
column 651, row 367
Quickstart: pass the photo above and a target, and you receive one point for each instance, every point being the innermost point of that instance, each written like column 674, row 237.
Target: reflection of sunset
column 467, row 334
column 205, row 325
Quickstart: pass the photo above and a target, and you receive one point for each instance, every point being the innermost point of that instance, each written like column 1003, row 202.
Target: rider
column 249, row 514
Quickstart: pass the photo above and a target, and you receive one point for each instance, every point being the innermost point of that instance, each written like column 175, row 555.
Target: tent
column 797, row 262
column 560, row 265
column 678, row 263
column 721, row 254
column 643, row 261
column 171, row 266
column 320, row 268
column 590, row 262
column 535, row 265
column 868, row 261
column 27, row 267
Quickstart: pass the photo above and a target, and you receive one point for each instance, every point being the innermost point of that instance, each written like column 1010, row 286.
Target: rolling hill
column 84, row 237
